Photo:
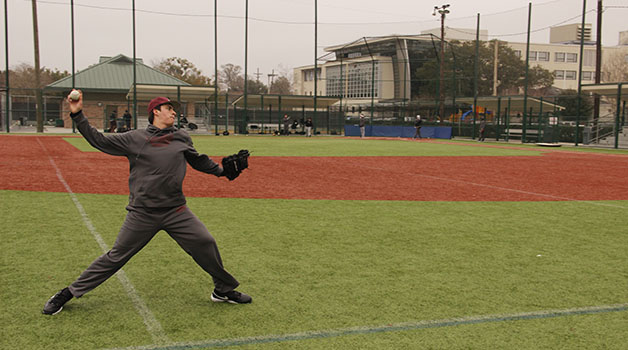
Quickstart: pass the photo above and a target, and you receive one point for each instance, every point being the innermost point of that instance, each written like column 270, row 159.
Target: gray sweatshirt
column 157, row 160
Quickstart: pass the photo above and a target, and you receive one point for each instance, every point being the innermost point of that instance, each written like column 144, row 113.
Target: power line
column 521, row 33
column 283, row 22
column 323, row 23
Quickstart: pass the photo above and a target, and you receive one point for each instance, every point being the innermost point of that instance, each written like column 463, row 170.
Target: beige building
column 561, row 55
column 562, row 60
column 350, row 71
column 350, row 79
column 353, row 67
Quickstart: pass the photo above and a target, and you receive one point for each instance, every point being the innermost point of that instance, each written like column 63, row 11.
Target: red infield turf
column 556, row 175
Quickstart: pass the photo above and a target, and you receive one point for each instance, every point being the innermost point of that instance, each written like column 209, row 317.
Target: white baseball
column 75, row 95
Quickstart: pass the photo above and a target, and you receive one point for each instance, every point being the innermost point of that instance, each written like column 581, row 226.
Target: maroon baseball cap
column 157, row 102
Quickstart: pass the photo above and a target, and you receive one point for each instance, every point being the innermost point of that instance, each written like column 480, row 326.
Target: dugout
column 105, row 86
column 619, row 93
column 530, row 119
column 263, row 113
column 194, row 101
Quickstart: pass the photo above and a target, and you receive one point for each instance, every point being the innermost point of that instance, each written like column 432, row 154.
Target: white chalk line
column 396, row 327
column 152, row 324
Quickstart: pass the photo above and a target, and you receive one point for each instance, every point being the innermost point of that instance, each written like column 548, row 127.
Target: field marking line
column 152, row 324
column 542, row 150
column 504, row 188
column 396, row 327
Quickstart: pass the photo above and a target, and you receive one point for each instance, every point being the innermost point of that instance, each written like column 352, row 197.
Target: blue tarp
column 433, row 132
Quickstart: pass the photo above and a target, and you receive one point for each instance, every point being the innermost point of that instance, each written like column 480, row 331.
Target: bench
column 262, row 127
column 518, row 133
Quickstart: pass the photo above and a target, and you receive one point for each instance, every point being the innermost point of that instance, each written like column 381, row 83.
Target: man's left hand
column 234, row 164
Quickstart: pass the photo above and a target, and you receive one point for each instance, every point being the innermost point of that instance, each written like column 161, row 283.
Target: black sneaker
column 233, row 297
column 55, row 304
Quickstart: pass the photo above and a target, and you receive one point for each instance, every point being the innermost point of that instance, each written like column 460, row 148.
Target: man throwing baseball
column 158, row 158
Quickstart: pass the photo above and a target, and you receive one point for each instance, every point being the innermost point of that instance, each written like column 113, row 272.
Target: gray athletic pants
column 139, row 228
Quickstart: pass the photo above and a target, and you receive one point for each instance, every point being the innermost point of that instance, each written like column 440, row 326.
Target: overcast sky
column 281, row 32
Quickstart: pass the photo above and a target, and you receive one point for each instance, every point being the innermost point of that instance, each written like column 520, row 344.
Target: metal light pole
column 73, row 60
column 443, row 11
column 134, row 74
column 525, row 88
column 598, row 67
column 315, row 58
column 6, row 54
column 584, row 12
column 216, row 66
column 476, row 72
column 246, row 66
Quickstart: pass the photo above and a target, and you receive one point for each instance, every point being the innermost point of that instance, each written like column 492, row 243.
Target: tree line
column 230, row 77
column 459, row 65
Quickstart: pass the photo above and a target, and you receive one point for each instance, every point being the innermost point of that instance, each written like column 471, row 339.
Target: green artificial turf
column 331, row 147
column 323, row 266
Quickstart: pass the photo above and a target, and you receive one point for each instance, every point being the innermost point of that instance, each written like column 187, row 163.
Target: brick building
column 106, row 88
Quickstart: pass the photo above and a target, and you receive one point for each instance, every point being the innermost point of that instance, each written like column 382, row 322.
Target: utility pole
column 443, row 11
column 39, row 100
column 257, row 75
column 495, row 64
column 271, row 79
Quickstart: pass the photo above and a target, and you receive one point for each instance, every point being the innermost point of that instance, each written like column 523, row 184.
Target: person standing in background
column 417, row 126
column 308, row 127
column 127, row 119
column 482, row 130
column 286, row 125
column 362, row 124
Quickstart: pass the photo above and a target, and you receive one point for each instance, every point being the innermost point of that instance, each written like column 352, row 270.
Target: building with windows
column 375, row 69
column 560, row 56
column 351, row 68
column 560, row 59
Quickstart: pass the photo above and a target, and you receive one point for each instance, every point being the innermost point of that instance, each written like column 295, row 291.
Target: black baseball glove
column 234, row 164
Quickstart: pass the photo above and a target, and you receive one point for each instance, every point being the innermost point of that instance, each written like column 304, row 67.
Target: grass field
column 332, row 147
column 328, row 274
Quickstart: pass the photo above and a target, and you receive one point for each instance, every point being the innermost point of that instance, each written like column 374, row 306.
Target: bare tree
column 256, row 87
column 281, row 85
column 23, row 77
column 182, row 69
column 615, row 69
column 231, row 78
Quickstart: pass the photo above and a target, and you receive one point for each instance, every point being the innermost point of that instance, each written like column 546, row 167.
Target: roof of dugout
column 516, row 103
column 183, row 93
column 608, row 89
column 285, row 101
